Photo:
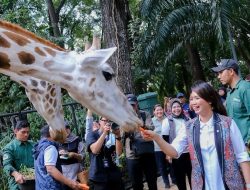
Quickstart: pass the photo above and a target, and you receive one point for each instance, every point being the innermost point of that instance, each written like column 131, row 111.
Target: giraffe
column 86, row 76
column 46, row 97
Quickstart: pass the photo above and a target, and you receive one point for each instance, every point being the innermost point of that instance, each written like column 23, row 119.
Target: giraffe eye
column 108, row 76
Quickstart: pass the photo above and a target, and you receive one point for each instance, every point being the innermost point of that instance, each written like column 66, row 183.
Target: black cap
column 132, row 98
column 225, row 64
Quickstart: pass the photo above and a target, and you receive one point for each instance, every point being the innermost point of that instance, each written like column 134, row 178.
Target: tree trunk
column 195, row 62
column 115, row 18
column 54, row 20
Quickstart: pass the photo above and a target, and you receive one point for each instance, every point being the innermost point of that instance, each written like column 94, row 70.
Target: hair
column 156, row 106
column 22, row 124
column 207, row 92
column 45, row 131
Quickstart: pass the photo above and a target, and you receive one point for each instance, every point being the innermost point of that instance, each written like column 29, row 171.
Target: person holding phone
column 104, row 145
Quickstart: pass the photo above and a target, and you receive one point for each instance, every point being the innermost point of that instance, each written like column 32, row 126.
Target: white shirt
column 50, row 156
column 213, row 178
column 179, row 123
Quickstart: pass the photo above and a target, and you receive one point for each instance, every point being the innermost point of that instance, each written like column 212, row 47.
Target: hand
column 19, row 178
column 107, row 128
column 75, row 185
column 148, row 134
column 63, row 152
column 116, row 132
column 169, row 159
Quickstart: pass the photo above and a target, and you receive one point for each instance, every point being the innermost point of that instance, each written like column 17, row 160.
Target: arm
column 56, row 174
column 240, row 151
column 246, row 100
column 89, row 123
column 167, row 148
column 50, row 160
column 96, row 146
column 8, row 161
column 118, row 142
column 245, row 167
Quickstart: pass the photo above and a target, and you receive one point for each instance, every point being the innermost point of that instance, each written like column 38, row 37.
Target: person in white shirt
column 171, row 127
column 217, row 151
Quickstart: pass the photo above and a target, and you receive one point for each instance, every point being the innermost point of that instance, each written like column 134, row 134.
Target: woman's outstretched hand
column 147, row 134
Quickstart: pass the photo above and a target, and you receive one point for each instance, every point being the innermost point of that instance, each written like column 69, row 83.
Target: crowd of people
column 201, row 144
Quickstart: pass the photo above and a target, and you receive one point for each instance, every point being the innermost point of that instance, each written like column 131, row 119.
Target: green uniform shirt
column 238, row 107
column 16, row 153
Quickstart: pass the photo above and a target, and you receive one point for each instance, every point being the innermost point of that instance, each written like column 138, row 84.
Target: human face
column 225, row 76
column 158, row 112
column 176, row 109
column 103, row 121
column 22, row 134
column 199, row 105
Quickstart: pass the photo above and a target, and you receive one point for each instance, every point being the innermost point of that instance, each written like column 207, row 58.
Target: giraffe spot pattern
column 55, row 103
column 50, row 51
column 24, row 84
column 29, row 72
column 20, row 40
column 50, row 111
column 92, row 81
column 34, row 83
column 49, row 87
column 43, row 83
column 39, row 51
column 4, row 61
column 4, row 43
column 100, row 94
column 47, row 96
column 26, row 58
column 53, row 92
column 67, row 77
column 48, row 63
column 50, row 100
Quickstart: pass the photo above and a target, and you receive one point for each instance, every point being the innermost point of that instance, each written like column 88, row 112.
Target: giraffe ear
column 99, row 56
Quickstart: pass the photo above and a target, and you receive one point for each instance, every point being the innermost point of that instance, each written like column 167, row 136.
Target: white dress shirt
column 213, row 178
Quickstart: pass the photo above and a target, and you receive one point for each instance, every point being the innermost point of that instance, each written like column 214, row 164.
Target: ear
column 96, row 56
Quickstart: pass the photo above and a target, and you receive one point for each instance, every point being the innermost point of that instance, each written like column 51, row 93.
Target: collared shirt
column 213, row 179
column 158, row 126
column 238, row 107
column 15, row 154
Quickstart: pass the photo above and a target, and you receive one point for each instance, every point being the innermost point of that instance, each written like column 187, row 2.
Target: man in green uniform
column 18, row 153
column 238, row 98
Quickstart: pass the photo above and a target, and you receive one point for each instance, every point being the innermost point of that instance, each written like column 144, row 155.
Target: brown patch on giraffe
column 55, row 103
column 53, row 92
column 4, row 61
column 92, row 81
column 20, row 40
column 49, row 87
column 48, row 63
column 40, row 91
column 43, row 83
column 17, row 29
column 66, row 77
column 61, row 111
column 24, row 84
column 32, row 97
column 100, row 94
column 3, row 42
column 46, row 106
column 29, row 72
column 47, row 96
column 50, row 111
column 39, row 51
column 50, row 51
column 34, row 82
column 50, row 100
column 92, row 95
column 44, row 100
column 26, row 58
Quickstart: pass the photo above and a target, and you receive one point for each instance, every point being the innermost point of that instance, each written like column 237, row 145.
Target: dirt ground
column 161, row 185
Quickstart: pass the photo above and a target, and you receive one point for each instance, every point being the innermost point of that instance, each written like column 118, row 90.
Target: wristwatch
column 118, row 138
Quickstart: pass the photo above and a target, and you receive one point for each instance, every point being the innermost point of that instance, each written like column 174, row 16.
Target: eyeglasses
column 105, row 120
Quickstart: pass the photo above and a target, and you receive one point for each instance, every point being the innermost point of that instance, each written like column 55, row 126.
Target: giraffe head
column 95, row 88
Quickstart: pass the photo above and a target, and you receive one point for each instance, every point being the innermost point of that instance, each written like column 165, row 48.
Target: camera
column 105, row 163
